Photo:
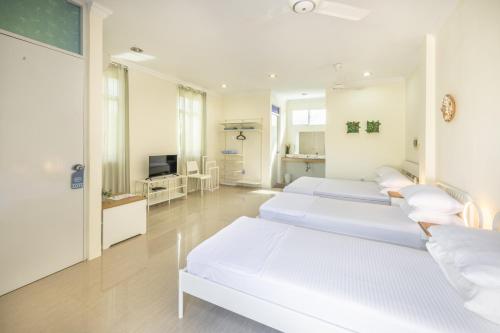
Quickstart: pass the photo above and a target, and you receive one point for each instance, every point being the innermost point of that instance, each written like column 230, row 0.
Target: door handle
column 78, row 167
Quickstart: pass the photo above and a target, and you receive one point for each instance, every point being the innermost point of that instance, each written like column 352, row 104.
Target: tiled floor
column 133, row 286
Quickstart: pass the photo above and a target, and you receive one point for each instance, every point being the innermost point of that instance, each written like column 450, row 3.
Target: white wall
column 356, row 156
column 214, row 117
column 153, row 120
column 292, row 132
column 468, row 67
column 250, row 106
column 415, row 114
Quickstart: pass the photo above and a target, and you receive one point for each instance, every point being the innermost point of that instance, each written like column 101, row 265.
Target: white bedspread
column 357, row 284
column 371, row 221
column 342, row 189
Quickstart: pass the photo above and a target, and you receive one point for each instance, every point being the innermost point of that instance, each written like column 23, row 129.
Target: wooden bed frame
column 268, row 313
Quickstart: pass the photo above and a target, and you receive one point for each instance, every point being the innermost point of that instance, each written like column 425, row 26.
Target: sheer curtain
column 115, row 162
column 191, row 105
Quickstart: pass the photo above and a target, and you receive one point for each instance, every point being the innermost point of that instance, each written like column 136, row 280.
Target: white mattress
column 366, row 220
column 353, row 283
column 342, row 189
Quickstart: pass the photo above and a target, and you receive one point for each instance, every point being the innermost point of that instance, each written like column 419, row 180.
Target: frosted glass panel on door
column 54, row 22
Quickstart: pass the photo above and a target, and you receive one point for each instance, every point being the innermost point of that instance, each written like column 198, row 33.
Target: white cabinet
column 123, row 219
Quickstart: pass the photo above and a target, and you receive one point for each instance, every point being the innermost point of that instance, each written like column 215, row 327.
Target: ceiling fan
column 330, row 8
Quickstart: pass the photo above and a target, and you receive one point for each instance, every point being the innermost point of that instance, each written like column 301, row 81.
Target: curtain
column 115, row 161
column 192, row 117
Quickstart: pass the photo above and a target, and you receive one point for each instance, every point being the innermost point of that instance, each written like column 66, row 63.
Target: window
column 191, row 113
column 309, row 117
column 317, row 117
column 115, row 166
column 300, row 117
column 57, row 23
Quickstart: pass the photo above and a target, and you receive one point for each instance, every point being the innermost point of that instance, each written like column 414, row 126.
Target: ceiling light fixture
column 367, row 74
column 223, row 86
column 273, row 76
column 136, row 49
column 133, row 56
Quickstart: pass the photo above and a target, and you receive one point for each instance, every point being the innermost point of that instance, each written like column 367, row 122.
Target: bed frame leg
column 181, row 298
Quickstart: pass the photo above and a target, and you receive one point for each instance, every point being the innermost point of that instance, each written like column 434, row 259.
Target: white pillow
column 414, row 188
column 394, row 181
column 435, row 200
column 485, row 303
column 486, row 275
column 470, row 260
column 429, row 216
column 420, row 216
column 384, row 170
column 464, row 287
column 476, row 252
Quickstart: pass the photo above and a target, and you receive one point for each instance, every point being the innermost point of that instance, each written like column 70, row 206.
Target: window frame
column 308, row 112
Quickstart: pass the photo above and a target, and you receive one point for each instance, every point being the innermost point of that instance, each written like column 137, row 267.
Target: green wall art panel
column 373, row 126
column 54, row 22
column 352, row 127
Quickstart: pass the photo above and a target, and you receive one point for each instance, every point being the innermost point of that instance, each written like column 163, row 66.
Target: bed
column 365, row 220
column 343, row 189
column 297, row 280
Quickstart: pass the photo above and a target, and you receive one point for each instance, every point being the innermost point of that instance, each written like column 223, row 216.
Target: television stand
column 163, row 189
column 158, row 188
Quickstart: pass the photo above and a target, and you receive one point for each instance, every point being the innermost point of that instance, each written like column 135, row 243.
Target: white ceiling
column 239, row 42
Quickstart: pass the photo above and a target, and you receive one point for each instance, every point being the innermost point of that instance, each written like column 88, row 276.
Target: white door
column 41, row 138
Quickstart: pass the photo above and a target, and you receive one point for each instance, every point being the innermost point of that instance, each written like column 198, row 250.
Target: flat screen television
column 162, row 165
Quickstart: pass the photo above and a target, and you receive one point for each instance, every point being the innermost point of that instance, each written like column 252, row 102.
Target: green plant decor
column 106, row 194
column 352, row 127
column 373, row 126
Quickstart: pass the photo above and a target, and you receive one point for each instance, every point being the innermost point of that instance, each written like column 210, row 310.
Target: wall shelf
column 245, row 167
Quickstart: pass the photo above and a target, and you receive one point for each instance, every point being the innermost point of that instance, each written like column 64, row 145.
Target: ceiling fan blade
column 341, row 10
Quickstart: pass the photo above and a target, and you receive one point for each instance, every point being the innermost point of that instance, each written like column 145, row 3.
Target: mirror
column 311, row 143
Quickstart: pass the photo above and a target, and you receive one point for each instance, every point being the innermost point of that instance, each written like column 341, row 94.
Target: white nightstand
column 123, row 219
column 396, row 198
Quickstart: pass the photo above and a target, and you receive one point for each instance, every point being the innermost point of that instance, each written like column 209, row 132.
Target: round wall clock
column 448, row 107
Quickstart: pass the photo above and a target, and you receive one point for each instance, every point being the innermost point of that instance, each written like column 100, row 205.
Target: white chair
column 193, row 172
column 212, row 169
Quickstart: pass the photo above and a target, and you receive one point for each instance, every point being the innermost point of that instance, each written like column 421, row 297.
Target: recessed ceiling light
column 367, row 74
column 273, row 76
column 134, row 56
column 223, row 86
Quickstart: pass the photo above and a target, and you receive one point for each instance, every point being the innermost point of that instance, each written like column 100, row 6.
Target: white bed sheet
column 342, row 189
column 365, row 220
column 353, row 283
